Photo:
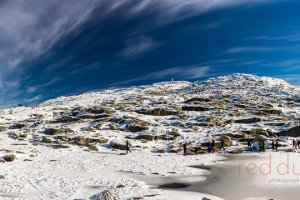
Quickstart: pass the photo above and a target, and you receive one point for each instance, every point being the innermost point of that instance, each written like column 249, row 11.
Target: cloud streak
column 31, row 29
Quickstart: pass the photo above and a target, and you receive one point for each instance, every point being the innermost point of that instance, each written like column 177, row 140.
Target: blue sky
column 54, row 48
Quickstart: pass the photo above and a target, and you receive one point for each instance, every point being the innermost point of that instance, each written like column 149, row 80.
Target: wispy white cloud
column 31, row 28
column 137, row 46
column 289, row 37
column 250, row 49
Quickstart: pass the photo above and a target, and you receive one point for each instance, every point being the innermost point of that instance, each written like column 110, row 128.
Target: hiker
column 196, row 150
column 127, row 147
column 213, row 149
column 184, row 149
column 209, row 147
column 249, row 145
column 273, row 145
column 262, row 146
column 276, row 146
column 294, row 144
column 298, row 144
column 222, row 144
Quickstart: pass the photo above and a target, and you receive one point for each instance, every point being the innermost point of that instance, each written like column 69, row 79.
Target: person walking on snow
column 294, row 144
column 273, row 145
column 127, row 147
column 213, row 149
column 184, row 149
column 249, row 145
column 222, row 144
column 276, row 146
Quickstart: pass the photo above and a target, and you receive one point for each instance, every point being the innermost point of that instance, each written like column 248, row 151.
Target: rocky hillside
column 163, row 116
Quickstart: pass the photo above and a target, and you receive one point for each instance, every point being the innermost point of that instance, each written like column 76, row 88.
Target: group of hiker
column 262, row 146
column 211, row 147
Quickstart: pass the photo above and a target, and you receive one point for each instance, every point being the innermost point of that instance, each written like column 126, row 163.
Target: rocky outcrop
column 55, row 131
column 195, row 108
column 148, row 137
column 235, row 150
column 118, row 144
column 227, row 140
column 135, row 125
column 17, row 126
column 292, row 132
column 100, row 110
column 9, row 158
column 161, row 112
column 248, row 120
column 46, row 139
column 104, row 195
column 197, row 100
column 84, row 141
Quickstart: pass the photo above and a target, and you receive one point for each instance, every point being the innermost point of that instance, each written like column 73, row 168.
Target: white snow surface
column 42, row 172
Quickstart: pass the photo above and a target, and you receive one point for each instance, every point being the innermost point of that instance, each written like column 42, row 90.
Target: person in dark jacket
column 273, row 145
column 209, row 147
column 294, row 144
column 249, row 145
column 127, row 147
column 184, row 149
column 213, row 146
column 276, row 146
column 222, row 144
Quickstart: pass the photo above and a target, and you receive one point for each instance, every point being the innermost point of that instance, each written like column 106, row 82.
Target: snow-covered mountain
column 158, row 118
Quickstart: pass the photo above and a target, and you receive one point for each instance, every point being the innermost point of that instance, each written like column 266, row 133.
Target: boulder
column 93, row 148
column 66, row 119
column 195, row 108
column 161, row 151
column 248, row 120
column 9, row 158
column 235, row 150
column 162, row 112
column 292, row 132
column 148, row 137
column 196, row 100
column 46, row 139
column 268, row 112
column 83, row 141
column 17, row 126
column 227, row 140
column 236, row 135
column 259, row 131
column 135, row 125
column 54, row 131
column 176, row 149
column 63, row 138
column 59, row 146
column 104, row 195
column 261, row 138
column 100, row 110
column 13, row 135
column 167, row 137
column 2, row 128
column 118, row 144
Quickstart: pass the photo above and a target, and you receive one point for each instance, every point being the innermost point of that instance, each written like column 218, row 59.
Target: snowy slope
column 68, row 142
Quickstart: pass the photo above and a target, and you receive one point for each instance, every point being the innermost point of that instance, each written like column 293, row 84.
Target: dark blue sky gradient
column 117, row 49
